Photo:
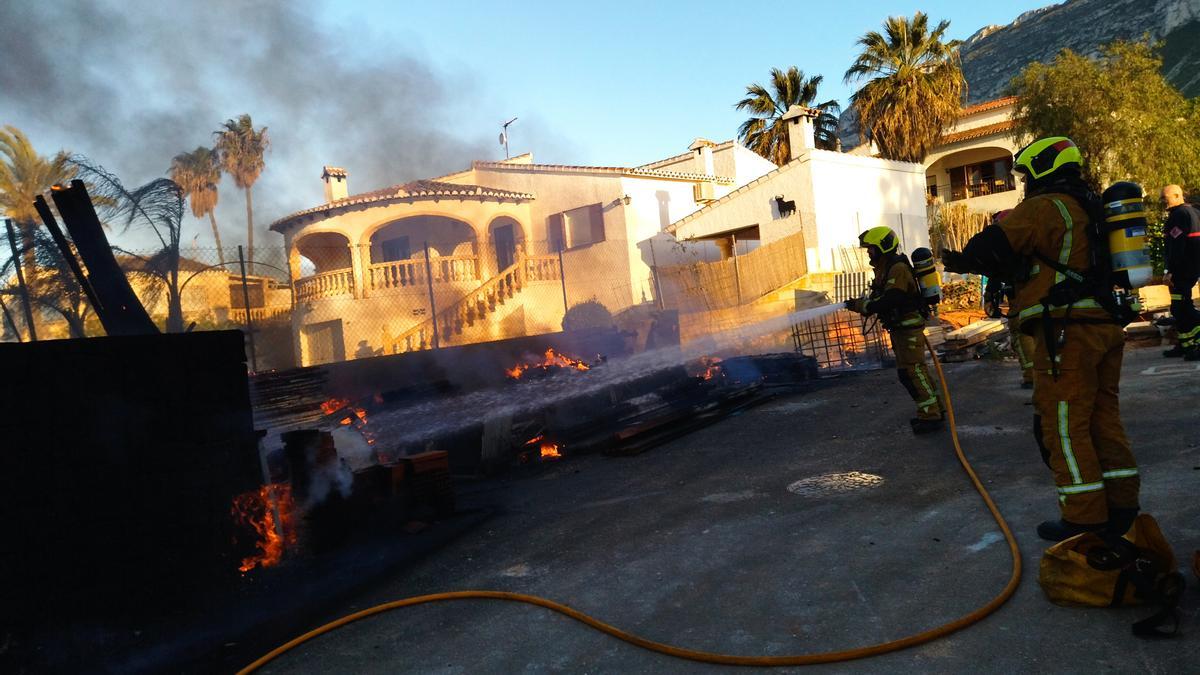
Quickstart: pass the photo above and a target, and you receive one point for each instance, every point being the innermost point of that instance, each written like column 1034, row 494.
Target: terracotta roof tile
column 622, row 170
column 418, row 189
column 977, row 132
column 682, row 156
column 985, row 106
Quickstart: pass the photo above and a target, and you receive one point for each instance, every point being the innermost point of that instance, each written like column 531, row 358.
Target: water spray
column 415, row 424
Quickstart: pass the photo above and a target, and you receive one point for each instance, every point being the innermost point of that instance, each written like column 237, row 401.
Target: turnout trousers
column 1187, row 319
column 1023, row 346
column 909, row 346
column 1079, row 422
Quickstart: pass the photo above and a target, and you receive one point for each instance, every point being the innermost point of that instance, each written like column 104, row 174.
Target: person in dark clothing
column 1181, row 253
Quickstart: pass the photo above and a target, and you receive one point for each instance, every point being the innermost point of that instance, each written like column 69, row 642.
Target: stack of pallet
column 935, row 334
column 961, row 344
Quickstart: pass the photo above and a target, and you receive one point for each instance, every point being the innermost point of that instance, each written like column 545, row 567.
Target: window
column 981, row 178
column 556, row 234
column 579, row 227
column 396, row 249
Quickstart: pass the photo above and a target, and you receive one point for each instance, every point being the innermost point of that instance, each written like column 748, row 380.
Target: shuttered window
column 584, row 225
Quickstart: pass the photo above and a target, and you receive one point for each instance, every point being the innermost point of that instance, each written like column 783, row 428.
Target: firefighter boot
column 1058, row 530
column 924, row 426
column 1121, row 519
column 1174, row 352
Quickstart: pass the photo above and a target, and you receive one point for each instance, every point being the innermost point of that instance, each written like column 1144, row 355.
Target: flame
column 551, row 359
column 548, row 449
column 333, row 405
column 270, row 512
column 356, row 416
column 711, row 369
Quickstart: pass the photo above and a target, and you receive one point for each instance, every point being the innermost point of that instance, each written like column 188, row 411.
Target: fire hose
column 714, row 657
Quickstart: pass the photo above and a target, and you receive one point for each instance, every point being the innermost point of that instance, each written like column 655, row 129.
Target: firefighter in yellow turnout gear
column 896, row 299
column 1078, row 343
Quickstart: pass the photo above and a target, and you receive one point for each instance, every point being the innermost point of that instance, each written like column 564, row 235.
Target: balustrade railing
column 542, row 268
column 325, row 285
column 411, row 272
column 479, row 303
column 238, row 314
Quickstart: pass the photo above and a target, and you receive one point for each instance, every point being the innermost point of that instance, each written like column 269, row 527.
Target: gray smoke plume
column 132, row 83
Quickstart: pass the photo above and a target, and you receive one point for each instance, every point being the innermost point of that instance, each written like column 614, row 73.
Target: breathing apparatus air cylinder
column 927, row 276
column 1125, row 227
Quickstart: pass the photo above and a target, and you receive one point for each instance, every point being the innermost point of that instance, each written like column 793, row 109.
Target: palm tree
column 241, row 149
column 915, row 87
column 766, row 133
column 57, row 290
column 24, row 175
column 197, row 173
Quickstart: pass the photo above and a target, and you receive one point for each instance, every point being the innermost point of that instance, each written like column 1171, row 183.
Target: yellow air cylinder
column 1125, row 225
column 927, row 275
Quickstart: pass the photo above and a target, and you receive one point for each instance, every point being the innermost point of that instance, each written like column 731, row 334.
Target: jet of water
column 422, row 421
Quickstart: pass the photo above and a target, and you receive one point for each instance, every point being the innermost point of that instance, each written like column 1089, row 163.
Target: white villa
column 971, row 165
column 830, row 197
column 495, row 233
column 499, row 236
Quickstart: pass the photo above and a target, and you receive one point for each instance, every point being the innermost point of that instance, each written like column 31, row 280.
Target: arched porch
column 322, row 265
column 396, row 252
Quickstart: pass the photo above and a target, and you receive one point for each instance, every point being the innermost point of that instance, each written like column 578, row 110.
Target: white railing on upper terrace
column 325, row 285
column 411, row 272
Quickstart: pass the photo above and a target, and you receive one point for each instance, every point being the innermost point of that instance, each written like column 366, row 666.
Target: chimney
column 799, row 121
column 335, row 183
column 702, row 150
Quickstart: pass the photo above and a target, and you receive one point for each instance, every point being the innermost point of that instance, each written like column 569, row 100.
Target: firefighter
column 1181, row 253
column 1078, row 344
column 999, row 289
column 896, row 299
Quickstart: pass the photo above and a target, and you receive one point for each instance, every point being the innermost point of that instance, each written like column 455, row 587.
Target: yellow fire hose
column 712, row 657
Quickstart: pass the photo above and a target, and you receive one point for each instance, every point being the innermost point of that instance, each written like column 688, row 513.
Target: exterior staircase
column 479, row 306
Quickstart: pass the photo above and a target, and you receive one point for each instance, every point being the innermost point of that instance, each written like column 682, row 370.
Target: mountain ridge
column 994, row 54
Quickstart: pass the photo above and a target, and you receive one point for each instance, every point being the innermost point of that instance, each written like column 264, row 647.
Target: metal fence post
column 654, row 272
column 562, row 275
column 246, row 303
column 12, row 243
column 432, row 305
column 737, row 277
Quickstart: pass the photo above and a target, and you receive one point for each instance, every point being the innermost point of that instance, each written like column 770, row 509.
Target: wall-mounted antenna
column 504, row 136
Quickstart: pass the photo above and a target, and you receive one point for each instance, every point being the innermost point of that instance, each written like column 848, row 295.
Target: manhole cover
column 834, row 483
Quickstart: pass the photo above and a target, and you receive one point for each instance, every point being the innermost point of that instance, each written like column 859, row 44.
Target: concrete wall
column 854, row 194
column 837, row 196
column 753, row 204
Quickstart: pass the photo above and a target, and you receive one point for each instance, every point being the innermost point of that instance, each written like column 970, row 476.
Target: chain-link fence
column 326, row 301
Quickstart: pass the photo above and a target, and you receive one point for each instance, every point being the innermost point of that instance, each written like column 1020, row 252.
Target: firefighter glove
column 954, row 261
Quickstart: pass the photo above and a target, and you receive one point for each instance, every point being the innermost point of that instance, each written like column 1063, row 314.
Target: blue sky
column 627, row 82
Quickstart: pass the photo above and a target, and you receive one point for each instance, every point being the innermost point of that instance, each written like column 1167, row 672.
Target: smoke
column 133, row 83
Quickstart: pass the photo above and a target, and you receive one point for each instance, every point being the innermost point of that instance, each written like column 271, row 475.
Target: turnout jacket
column 894, row 295
column 1052, row 225
column 1181, row 242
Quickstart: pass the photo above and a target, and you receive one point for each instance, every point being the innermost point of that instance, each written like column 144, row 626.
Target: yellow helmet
column 882, row 238
column 1047, row 155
